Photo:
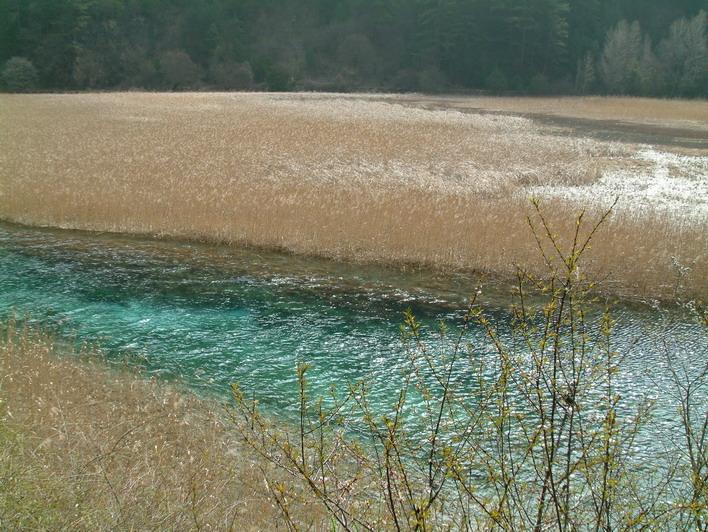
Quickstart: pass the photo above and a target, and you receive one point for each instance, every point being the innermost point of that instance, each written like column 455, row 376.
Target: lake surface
column 210, row 315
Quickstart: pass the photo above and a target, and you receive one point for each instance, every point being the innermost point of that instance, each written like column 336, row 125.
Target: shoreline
column 695, row 287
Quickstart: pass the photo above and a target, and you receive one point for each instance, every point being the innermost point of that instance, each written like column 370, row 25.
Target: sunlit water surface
column 209, row 316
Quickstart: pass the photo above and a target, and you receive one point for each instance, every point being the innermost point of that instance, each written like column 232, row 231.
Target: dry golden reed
column 85, row 447
column 351, row 178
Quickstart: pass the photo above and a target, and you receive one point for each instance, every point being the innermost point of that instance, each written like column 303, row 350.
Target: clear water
column 210, row 315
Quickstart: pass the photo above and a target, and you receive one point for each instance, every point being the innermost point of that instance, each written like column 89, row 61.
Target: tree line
column 640, row 47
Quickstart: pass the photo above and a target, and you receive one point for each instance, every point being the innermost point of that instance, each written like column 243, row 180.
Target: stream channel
column 208, row 316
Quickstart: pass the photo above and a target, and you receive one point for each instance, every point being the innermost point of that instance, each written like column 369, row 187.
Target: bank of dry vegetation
column 87, row 447
column 350, row 178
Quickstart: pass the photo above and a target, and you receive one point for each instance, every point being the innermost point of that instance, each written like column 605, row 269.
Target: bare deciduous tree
column 621, row 56
column 684, row 55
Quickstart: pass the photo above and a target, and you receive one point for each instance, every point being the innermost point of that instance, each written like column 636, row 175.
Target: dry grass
column 84, row 447
column 343, row 177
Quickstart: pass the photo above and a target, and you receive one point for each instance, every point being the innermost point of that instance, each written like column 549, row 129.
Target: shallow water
column 210, row 315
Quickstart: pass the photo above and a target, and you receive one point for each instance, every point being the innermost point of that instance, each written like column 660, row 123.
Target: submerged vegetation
column 254, row 169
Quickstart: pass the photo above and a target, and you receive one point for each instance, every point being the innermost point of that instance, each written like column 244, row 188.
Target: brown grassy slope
column 336, row 177
column 83, row 447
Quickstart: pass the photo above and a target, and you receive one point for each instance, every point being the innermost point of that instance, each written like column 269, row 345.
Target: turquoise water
column 210, row 315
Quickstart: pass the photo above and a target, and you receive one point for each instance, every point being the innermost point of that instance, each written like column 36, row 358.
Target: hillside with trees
column 638, row 47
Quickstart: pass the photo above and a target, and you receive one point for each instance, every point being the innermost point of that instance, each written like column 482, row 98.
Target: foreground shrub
column 526, row 431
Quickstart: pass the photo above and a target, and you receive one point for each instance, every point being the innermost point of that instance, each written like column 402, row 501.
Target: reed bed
column 88, row 447
column 351, row 178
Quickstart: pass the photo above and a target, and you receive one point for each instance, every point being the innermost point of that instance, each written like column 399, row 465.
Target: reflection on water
column 214, row 315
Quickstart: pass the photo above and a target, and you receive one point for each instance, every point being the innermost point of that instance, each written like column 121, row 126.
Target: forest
column 636, row 47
